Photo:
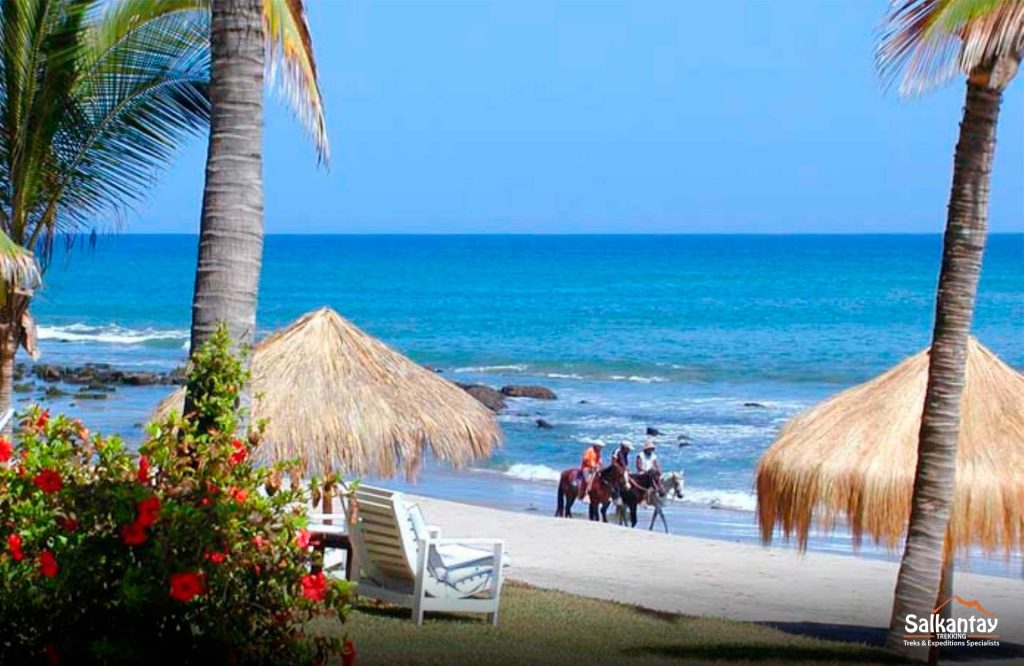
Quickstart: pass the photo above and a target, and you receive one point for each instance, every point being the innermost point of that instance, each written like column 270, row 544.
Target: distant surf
column 112, row 335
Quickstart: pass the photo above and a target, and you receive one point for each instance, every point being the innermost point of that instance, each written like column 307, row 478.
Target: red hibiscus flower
column 314, row 586
column 149, row 511
column 303, row 539
column 6, row 449
column 240, row 452
column 348, row 653
column 238, row 494
column 48, row 481
column 216, row 557
column 186, row 586
column 48, row 564
column 143, row 474
column 52, row 656
column 259, row 541
column 44, row 418
column 133, row 534
column 14, row 546
column 68, row 523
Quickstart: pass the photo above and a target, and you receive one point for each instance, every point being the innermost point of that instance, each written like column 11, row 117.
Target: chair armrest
column 321, row 517
column 467, row 542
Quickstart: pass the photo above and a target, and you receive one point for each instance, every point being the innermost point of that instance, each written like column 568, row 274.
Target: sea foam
column 111, row 334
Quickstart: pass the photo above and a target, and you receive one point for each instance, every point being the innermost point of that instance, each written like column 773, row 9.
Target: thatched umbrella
column 339, row 399
column 854, row 456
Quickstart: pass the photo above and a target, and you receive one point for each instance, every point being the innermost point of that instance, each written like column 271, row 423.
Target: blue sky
column 607, row 117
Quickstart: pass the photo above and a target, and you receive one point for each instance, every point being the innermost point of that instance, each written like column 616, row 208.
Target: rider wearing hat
column 590, row 466
column 621, row 458
column 647, row 461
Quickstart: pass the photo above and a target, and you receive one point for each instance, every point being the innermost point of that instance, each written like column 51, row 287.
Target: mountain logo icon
column 974, row 603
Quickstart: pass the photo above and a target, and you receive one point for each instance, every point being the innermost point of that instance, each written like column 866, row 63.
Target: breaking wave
column 113, row 335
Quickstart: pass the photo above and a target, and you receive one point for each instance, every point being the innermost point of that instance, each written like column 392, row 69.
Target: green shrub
column 175, row 555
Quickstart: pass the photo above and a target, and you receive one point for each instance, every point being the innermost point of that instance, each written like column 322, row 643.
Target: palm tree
column 231, row 226
column 929, row 41
column 94, row 97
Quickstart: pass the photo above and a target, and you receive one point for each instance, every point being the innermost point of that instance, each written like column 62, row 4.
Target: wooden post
column 327, row 502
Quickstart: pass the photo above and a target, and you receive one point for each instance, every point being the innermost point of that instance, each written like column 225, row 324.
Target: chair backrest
column 384, row 535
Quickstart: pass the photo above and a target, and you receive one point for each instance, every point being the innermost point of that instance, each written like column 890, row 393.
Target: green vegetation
column 547, row 627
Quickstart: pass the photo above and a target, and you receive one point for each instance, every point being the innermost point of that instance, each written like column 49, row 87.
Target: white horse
column 672, row 485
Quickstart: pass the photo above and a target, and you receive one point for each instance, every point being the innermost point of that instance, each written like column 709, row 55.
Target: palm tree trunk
column 8, row 352
column 917, row 587
column 231, row 228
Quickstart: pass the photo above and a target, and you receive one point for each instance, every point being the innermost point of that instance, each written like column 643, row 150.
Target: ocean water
column 671, row 332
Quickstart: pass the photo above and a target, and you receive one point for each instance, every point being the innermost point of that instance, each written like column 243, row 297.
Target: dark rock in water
column 91, row 396
column 140, row 378
column 432, row 368
column 490, row 398
column 53, row 392
column 48, row 373
column 754, row 404
column 541, row 423
column 23, row 388
column 583, row 402
column 653, row 432
column 683, row 440
column 535, row 392
column 683, row 443
column 96, row 386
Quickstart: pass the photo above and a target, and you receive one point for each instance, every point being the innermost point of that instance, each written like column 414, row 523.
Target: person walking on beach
column 590, row 466
column 621, row 459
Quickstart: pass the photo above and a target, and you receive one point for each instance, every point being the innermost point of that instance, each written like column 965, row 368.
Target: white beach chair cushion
column 459, row 569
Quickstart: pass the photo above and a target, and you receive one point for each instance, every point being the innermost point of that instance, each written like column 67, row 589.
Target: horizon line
column 107, row 234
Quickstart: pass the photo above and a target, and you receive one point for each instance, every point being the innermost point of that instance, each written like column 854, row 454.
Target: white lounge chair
column 401, row 560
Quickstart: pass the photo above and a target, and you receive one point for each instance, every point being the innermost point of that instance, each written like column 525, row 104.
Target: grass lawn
column 545, row 627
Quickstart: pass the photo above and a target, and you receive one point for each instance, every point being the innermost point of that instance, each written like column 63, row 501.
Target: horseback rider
column 621, row 459
column 647, row 463
column 589, row 468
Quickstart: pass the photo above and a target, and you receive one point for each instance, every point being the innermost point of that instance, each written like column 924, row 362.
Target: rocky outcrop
column 101, row 376
column 490, row 398
column 535, row 392
column 653, row 432
column 755, row 405
column 541, row 423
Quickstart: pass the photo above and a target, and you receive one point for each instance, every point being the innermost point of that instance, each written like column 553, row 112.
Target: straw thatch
column 854, row 456
column 340, row 399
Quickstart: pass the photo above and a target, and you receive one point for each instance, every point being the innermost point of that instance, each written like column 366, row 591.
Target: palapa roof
column 341, row 399
column 854, row 455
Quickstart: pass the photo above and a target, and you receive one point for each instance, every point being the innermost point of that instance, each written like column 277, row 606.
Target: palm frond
column 143, row 88
column 924, row 43
column 17, row 265
column 292, row 67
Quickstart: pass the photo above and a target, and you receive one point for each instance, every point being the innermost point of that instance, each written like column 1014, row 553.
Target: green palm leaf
column 17, row 265
column 926, row 42
column 292, row 67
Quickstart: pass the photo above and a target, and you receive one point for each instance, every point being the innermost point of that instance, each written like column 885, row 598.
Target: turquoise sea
column 671, row 332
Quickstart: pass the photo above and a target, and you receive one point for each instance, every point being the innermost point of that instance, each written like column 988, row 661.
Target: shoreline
column 490, row 489
column 847, row 598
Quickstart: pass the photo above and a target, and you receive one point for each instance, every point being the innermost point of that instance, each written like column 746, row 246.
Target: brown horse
column 606, row 487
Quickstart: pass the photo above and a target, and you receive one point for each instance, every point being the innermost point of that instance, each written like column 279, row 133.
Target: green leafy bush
column 176, row 555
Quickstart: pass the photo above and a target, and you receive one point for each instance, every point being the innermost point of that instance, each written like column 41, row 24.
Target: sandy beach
column 816, row 593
